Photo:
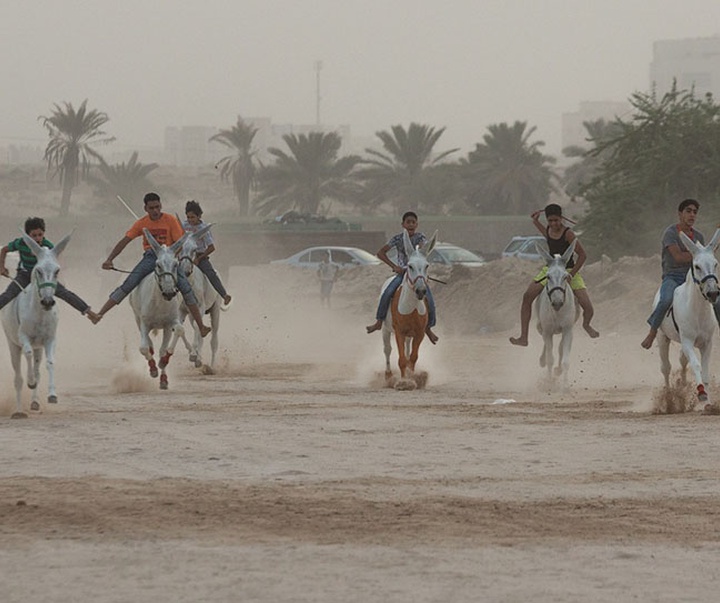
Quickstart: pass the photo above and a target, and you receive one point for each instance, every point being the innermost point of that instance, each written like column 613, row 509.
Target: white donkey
column 30, row 323
column 557, row 312
column 157, row 306
column 691, row 320
column 208, row 299
column 408, row 313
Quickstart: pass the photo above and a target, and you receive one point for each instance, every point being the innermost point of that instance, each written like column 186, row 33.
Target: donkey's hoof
column 198, row 363
column 34, row 405
column 163, row 382
column 154, row 372
column 193, row 358
column 19, row 415
column 32, row 385
column 405, row 385
column 52, row 399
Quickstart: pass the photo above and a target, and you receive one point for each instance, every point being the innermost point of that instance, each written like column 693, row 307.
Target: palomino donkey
column 156, row 306
column 691, row 320
column 408, row 311
column 556, row 312
column 208, row 299
column 30, row 323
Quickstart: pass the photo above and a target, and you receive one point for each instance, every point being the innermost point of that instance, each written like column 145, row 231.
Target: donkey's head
column 166, row 264
column 557, row 284
column 704, row 267
column 189, row 250
column 45, row 273
column 417, row 267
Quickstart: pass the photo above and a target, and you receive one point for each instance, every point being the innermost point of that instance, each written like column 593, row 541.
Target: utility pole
column 318, row 67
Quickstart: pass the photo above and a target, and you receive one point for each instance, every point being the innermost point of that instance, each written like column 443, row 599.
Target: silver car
column 345, row 257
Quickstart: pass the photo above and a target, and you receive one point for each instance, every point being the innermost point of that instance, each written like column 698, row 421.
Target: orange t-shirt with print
column 166, row 230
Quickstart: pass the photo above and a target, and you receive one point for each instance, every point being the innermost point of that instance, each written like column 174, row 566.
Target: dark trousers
column 22, row 280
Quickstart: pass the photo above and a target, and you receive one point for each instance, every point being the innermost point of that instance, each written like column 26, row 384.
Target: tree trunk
column 66, row 193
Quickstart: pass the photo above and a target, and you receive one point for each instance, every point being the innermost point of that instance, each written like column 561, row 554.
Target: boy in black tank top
column 558, row 237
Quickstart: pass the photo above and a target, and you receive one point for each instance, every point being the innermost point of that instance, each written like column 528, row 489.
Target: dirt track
column 292, row 475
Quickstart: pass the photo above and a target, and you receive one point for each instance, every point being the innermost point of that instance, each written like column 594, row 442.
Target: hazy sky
column 463, row 64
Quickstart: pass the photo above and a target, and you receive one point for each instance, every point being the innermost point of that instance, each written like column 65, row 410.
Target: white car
column 523, row 247
column 345, row 257
column 449, row 255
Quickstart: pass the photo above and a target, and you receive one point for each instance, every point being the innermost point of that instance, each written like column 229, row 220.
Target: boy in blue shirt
column 409, row 223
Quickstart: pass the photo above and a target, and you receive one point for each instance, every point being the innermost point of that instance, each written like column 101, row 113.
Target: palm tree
column 127, row 180
column 581, row 173
column 240, row 166
column 507, row 173
column 72, row 136
column 310, row 173
column 402, row 172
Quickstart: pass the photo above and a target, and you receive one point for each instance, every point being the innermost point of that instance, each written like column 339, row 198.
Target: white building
column 691, row 62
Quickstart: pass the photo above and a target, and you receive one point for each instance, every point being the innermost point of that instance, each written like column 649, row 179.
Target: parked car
column 523, row 247
column 345, row 257
column 449, row 255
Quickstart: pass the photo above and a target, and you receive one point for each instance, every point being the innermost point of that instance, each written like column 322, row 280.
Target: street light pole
column 318, row 67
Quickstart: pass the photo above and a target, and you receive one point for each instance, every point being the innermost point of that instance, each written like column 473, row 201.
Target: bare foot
column 227, row 299
column 94, row 317
column 519, row 341
column 204, row 330
column 374, row 327
column 431, row 336
column 590, row 331
column 648, row 341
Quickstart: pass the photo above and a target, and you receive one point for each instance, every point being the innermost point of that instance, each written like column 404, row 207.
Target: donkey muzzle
column 47, row 303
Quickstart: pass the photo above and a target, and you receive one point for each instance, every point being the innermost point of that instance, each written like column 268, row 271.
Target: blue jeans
column 671, row 282
column 22, row 279
column 209, row 271
column 144, row 267
column 387, row 295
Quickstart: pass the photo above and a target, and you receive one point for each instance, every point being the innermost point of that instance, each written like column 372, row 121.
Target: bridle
column 702, row 281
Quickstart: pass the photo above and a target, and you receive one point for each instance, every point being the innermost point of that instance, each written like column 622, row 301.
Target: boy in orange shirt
column 166, row 229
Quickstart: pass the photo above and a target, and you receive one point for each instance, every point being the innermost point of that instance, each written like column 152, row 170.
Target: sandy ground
column 294, row 475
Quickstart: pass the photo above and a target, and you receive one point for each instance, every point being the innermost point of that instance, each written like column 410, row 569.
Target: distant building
column 693, row 62
column 573, row 131
column 190, row 145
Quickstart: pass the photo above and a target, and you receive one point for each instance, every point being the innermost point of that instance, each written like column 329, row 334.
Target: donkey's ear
column 202, row 232
column 430, row 245
column 407, row 243
column 715, row 241
column 541, row 248
column 569, row 251
column 30, row 242
column 177, row 245
column 689, row 243
column 151, row 239
column 60, row 247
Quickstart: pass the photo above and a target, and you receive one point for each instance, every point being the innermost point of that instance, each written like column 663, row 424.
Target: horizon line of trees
column 632, row 175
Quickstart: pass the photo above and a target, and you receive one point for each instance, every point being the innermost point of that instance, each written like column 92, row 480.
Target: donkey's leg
column 214, row 338
column 36, row 361
column 164, row 355
column 50, row 365
column 402, row 358
column 16, row 359
column 689, row 351
column 683, row 368
column 548, row 353
column 565, row 348
column 664, row 347
column 387, row 349
column 146, row 349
